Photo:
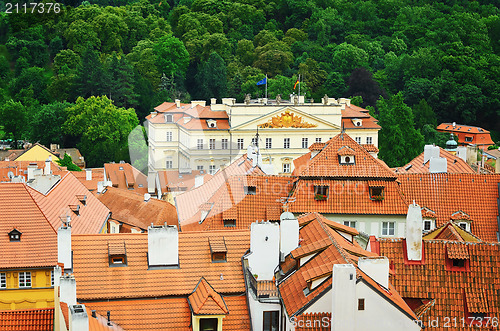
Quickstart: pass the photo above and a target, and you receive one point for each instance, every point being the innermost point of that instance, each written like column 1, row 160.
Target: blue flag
column 262, row 82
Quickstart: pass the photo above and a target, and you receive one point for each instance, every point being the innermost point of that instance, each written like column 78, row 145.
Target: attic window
column 457, row 257
column 377, row 193
column 250, row 190
column 321, row 192
column 117, row 254
column 346, row 159
column 82, row 198
column 168, row 118
column 428, row 225
column 229, row 223
column 218, row 249
column 75, row 209
column 468, row 139
column 15, row 235
column 212, row 124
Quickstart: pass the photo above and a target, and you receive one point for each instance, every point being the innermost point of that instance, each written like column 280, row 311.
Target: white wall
column 265, row 248
column 257, row 311
column 372, row 224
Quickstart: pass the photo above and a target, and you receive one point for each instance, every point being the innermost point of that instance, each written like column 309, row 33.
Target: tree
column 212, row 78
column 13, row 117
column 102, row 128
column 399, row 141
column 67, row 162
column 121, row 89
column 424, row 115
column 91, row 79
column 46, row 124
column 361, row 83
column 171, row 56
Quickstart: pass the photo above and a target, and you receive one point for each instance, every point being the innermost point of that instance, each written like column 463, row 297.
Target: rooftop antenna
column 284, row 201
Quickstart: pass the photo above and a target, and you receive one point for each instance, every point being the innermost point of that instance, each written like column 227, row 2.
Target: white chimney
column 151, row 182
column 78, row 318
column 343, row 297
column 195, row 103
column 31, row 171
column 47, row 166
column 228, row 101
column 265, row 249
column 438, row 165
column 67, row 289
column 147, row 197
column 153, row 114
column 289, row 233
column 198, row 181
column 427, row 153
column 178, row 103
column 301, row 99
column 100, row 187
column 163, row 245
column 88, row 174
column 213, row 101
column 454, row 124
column 414, row 233
column 64, row 246
column 57, row 275
column 377, row 268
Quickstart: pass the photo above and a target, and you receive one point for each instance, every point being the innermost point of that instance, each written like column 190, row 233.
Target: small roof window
column 15, row 235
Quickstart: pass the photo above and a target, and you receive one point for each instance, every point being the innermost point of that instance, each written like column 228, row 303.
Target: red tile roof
column 172, row 180
column 129, row 207
column 91, row 266
column 92, row 214
column 40, row 319
column 451, row 231
column 451, row 290
column 97, row 176
column 206, row 301
column 370, row 148
column 19, row 168
column 126, row 177
column 474, row 194
column 340, row 251
column 317, row 146
column 454, row 164
column 475, row 135
column 189, row 203
column 38, row 244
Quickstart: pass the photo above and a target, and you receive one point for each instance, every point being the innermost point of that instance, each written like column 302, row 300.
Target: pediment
column 287, row 118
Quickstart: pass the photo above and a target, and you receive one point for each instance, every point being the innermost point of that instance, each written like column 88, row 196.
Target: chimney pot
column 213, row 101
column 178, row 103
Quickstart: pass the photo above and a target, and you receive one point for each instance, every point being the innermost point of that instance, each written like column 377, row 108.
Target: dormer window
column 321, row 192
column 75, row 209
column 117, row 254
column 250, row 190
column 212, row 124
column 15, row 235
column 218, row 249
column 377, row 193
column 428, row 225
column 169, row 118
column 457, row 257
column 357, row 122
column 346, row 155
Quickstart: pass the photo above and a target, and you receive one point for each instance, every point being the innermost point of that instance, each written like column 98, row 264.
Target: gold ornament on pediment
column 287, row 120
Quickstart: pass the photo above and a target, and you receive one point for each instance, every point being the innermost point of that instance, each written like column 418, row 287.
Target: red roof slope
column 19, row 168
column 172, row 180
column 91, row 266
column 451, row 290
column 92, row 214
column 40, row 319
column 126, row 177
column 206, row 301
column 454, row 164
column 38, row 244
column 445, row 194
column 129, row 207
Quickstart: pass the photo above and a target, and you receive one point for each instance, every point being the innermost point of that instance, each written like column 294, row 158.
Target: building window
column 305, row 144
column 351, row 224
column 250, row 190
column 427, row 225
column 463, row 225
column 269, row 143
column 3, row 280
column 169, row 165
column 388, row 228
column 255, row 141
column 52, row 277
column 286, row 167
column 369, row 140
column 321, row 192
column 286, row 143
column 199, row 145
column 199, row 167
column 211, row 169
column 229, row 223
column 358, row 140
column 468, row 139
column 169, row 118
column 219, row 257
column 15, row 235
column 208, row 324
column 318, row 140
column 24, row 279
column 271, row 320
column 377, row 193
column 240, row 143
column 211, row 144
column 169, row 136
column 224, row 143
column 460, row 263
column 361, row 304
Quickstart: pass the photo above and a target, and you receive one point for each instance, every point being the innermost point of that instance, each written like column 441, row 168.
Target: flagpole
column 299, row 85
column 266, row 86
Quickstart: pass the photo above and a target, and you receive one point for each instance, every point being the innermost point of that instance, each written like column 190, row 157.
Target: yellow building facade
column 37, row 153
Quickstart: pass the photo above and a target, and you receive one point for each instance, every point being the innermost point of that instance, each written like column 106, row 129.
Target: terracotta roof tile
column 20, row 168
column 206, row 301
column 116, row 248
column 38, row 244
column 474, row 194
column 317, row 146
column 136, row 280
column 172, row 180
column 92, row 214
column 125, row 176
column 40, row 319
column 97, row 176
column 130, row 208
column 454, row 164
column 266, row 288
column 370, row 148
column 457, row 251
column 217, row 244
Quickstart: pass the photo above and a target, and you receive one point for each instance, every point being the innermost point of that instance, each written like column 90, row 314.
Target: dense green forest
column 67, row 75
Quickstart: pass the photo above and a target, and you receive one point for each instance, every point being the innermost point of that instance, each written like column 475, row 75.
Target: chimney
column 454, row 124
column 153, row 114
column 377, row 268
column 343, row 297
column 301, row 99
column 462, row 152
column 213, row 101
column 198, row 181
column 178, row 103
column 427, row 153
column 152, row 176
column 64, row 254
column 88, row 174
column 31, row 171
column 163, row 245
column 147, row 197
column 289, row 234
column 57, row 275
column 438, row 165
column 265, row 249
column 78, row 318
column 47, row 166
column 195, row 103
column 414, row 233
column 67, row 289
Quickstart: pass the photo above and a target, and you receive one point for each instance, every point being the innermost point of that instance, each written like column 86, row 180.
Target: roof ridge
column 37, row 206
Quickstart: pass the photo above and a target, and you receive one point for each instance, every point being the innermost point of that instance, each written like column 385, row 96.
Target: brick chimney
column 265, row 249
column 343, row 297
column 64, row 254
column 78, row 318
column 414, row 233
column 163, row 245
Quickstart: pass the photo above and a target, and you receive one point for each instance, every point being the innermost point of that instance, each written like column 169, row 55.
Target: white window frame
column 369, row 140
column 26, row 276
column 3, row 280
column 169, row 164
column 430, row 225
column 269, row 143
column 254, row 141
column 286, row 168
column 386, row 228
column 318, row 139
column 211, row 143
column 240, row 143
column 199, row 144
column 358, row 140
column 212, row 169
column 286, row 142
column 170, row 135
column 351, row 224
column 224, row 143
column 305, row 143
